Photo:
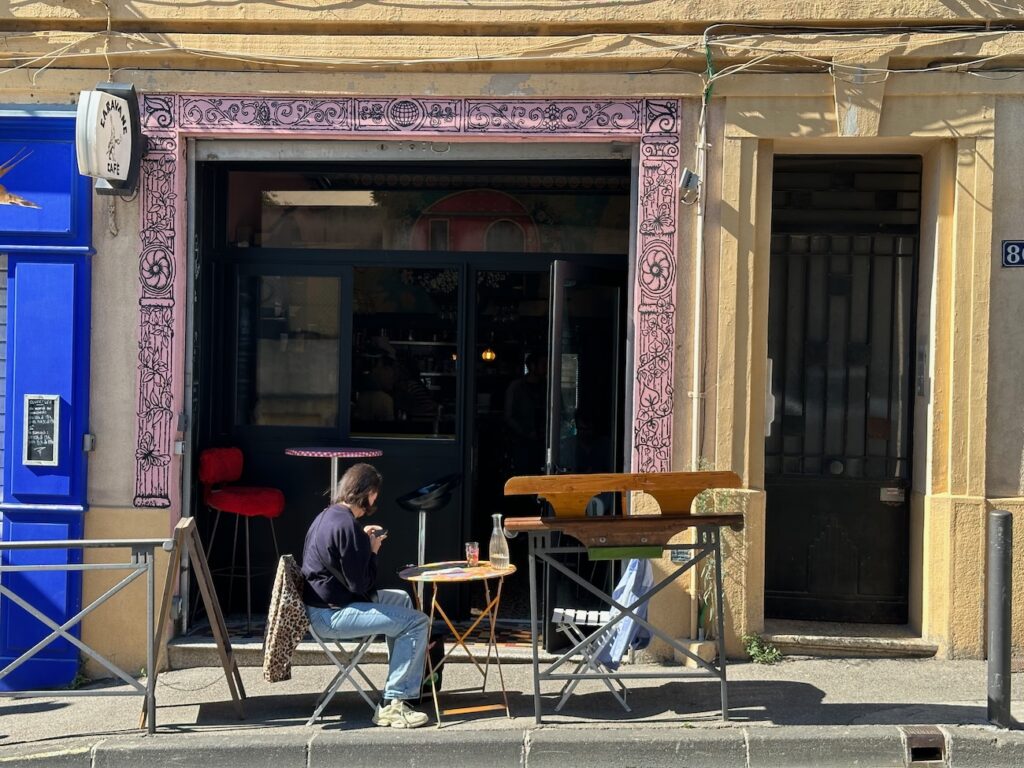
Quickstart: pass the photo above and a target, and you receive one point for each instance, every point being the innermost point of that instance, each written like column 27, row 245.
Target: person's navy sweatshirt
column 337, row 562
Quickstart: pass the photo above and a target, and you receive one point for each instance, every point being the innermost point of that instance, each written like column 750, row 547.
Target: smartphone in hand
column 379, row 533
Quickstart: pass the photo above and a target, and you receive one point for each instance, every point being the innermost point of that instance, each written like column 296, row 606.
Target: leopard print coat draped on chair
column 287, row 622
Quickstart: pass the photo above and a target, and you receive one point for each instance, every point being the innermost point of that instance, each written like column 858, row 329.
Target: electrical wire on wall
column 699, row 332
column 609, row 42
column 763, row 53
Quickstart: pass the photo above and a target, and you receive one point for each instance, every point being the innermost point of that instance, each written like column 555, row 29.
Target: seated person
column 339, row 563
column 525, row 403
column 412, row 397
column 375, row 396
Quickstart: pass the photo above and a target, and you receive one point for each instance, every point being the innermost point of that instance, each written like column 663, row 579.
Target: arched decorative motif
column 168, row 119
column 469, row 217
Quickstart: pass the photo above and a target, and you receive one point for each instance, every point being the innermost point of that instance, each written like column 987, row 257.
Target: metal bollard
column 998, row 598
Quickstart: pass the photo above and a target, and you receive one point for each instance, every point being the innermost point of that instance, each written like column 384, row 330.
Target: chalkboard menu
column 42, row 430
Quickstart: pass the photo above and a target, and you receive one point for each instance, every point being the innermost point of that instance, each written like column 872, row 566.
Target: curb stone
column 235, row 749
column 984, row 746
column 636, row 748
column 541, row 747
column 825, row 747
column 423, row 747
column 75, row 754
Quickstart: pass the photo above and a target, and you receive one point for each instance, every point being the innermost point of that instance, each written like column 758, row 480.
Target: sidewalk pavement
column 801, row 711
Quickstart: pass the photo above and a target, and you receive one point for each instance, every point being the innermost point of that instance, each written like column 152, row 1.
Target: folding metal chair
column 347, row 664
column 572, row 622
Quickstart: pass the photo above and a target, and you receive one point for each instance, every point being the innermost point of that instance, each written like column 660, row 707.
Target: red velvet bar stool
column 218, row 467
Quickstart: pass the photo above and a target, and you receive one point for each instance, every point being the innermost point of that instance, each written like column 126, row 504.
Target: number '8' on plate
column 1013, row 253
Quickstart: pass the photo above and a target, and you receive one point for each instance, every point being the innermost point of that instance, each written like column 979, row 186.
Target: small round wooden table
column 457, row 572
column 334, row 454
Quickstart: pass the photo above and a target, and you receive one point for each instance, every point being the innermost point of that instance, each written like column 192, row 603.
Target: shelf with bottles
column 410, row 330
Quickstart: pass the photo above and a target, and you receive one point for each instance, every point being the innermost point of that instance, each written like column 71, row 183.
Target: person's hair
column 535, row 362
column 356, row 485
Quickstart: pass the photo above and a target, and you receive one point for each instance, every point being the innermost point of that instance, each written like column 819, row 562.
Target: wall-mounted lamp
column 488, row 355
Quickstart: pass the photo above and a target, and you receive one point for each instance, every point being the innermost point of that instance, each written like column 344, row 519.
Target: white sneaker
column 398, row 714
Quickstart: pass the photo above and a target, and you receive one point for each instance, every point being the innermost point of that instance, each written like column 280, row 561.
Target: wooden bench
column 623, row 535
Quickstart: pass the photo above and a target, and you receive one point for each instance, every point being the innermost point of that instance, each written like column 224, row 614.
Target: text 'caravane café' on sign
column 108, row 138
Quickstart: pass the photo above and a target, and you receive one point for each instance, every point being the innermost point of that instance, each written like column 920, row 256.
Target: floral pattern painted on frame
column 169, row 119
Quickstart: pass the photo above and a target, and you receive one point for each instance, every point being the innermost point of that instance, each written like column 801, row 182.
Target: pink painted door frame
column 170, row 119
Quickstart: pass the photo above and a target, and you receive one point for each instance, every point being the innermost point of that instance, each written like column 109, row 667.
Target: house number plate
column 1013, row 253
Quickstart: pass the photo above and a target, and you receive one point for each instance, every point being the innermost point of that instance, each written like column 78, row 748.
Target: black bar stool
column 428, row 498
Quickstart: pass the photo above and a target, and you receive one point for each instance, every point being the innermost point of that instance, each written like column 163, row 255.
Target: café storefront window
column 346, row 317
column 288, row 348
column 405, row 352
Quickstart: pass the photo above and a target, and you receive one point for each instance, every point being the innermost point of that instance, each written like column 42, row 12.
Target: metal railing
column 141, row 561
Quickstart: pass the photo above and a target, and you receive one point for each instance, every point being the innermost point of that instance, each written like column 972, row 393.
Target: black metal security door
column 845, row 236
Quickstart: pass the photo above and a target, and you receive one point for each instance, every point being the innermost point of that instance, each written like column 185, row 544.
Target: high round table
column 335, row 453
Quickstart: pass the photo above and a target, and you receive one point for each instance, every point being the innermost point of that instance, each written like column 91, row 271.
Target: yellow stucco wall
column 968, row 435
column 117, row 629
column 540, row 16
column 675, row 608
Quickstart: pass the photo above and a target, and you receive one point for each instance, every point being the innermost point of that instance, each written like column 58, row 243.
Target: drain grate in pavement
column 926, row 745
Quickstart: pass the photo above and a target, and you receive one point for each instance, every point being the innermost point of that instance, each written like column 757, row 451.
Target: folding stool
column 572, row 622
column 347, row 664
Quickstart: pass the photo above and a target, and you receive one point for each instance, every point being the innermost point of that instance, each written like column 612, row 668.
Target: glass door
column 584, row 409
column 585, row 381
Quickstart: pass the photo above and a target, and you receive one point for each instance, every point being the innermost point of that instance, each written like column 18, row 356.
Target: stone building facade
column 918, row 106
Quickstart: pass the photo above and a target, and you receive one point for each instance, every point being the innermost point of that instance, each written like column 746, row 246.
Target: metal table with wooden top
column 568, row 497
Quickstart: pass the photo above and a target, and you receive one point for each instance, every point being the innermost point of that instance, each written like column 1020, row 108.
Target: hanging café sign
column 108, row 138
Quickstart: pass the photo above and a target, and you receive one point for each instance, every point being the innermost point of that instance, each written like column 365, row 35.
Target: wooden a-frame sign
column 186, row 538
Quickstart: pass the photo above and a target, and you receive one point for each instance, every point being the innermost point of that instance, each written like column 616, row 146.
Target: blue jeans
column 392, row 615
